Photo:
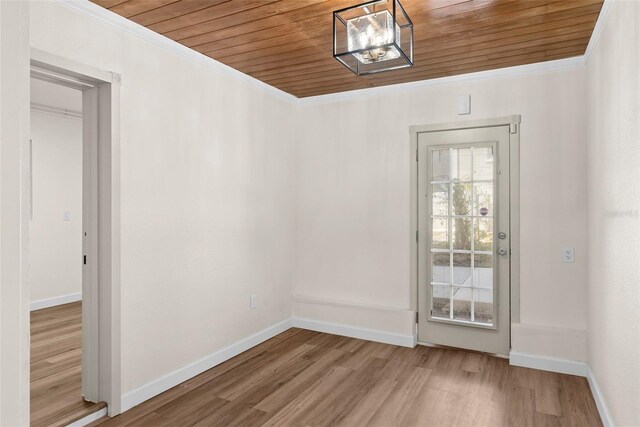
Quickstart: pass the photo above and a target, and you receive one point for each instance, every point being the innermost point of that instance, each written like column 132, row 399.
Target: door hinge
column 416, row 154
column 84, row 259
column 416, row 236
column 417, row 316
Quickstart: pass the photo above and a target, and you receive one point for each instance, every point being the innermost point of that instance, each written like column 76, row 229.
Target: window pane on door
column 440, row 165
column 462, row 303
column 440, row 233
column 483, row 199
column 462, row 220
column 483, row 235
column 462, row 269
column 461, row 198
column 460, row 164
column 482, row 163
column 440, row 199
column 483, row 306
column 483, row 271
column 461, row 234
column 440, row 301
column 441, row 268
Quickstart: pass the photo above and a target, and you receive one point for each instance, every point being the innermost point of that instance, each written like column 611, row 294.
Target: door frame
column 514, row 206
column 101, row 378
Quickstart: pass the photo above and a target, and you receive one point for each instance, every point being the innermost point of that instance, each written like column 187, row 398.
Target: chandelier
column 373, row 37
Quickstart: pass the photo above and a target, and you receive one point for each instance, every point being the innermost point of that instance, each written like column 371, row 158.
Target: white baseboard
column 354, row 332
column 563, row 343
column 605, row 415
column 89, row 418
column 52, row 302
column 172, row 379
column 564, row 366
column 391, row 325
column 546, row 363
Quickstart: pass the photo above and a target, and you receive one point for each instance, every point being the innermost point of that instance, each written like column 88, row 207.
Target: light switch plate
column 568, row 255
column 253, row 301
column 67, row 216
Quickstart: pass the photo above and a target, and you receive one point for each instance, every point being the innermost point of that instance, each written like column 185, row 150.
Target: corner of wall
column 375, row 323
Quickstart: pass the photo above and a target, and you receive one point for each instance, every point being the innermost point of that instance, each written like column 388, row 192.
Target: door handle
column 502, row 251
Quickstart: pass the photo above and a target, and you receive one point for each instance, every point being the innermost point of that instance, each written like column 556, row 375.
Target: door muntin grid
column 462, row 219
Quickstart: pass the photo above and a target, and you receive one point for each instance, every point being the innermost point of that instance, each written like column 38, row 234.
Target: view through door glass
column 462, row 224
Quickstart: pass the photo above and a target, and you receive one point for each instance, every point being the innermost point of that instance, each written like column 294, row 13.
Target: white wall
column 353, row 202
column 208, row 186
column 55, row 245
column 14, row 143
column 613, row 83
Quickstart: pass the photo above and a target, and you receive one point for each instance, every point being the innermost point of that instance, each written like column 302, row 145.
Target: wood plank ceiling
column 288, row 43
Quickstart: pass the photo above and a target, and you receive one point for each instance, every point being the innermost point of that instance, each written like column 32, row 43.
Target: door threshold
column 88, row 419
column 447, row 347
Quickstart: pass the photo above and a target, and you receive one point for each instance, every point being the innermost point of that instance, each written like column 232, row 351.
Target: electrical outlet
column 253, row 301
column 67, row 216
column 568, row 255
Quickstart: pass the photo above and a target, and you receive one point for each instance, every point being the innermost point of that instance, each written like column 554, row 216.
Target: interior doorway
column 55, row 254
column 465, row 238
column 73, row 241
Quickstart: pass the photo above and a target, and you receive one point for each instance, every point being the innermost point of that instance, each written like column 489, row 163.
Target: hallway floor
column 56, row 367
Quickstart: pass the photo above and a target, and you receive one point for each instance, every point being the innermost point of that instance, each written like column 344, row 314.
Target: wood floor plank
column 56, row 367
column 306, row 378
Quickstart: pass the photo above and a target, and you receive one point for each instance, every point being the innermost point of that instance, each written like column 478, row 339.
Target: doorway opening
column 465, row 215
column 73, row 241
column 55, row 254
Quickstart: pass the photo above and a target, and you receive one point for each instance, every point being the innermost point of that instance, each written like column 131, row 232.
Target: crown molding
column 575, row 62
column 98, row 12
column 604, row 11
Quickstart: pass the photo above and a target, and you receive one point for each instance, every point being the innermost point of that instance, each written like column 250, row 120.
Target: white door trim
column 101, row 219
column 514, row 191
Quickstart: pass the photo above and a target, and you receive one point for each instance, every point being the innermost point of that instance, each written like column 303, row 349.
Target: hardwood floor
column 56, row 365
column 305, row 378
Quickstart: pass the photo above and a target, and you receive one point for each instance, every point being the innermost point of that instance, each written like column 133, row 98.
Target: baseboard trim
column 172, row 379
column 354, row 332
column 52, row 302
column 603, row 410
column 547, row 363
column 89, row 418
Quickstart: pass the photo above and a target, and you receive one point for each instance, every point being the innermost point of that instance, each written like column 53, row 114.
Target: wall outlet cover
column 568, row 255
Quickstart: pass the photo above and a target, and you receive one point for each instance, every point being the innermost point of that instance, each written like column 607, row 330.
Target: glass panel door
column 463, row 238
column 461, row 221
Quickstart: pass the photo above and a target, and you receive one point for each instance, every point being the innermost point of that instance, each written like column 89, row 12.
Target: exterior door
column 463, row 240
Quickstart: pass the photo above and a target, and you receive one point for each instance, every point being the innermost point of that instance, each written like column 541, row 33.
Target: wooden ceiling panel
column 288, row 43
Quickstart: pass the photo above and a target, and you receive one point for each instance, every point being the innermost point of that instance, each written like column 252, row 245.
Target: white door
column 463, row 244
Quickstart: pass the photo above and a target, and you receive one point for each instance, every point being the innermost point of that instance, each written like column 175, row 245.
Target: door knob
column 502, row 251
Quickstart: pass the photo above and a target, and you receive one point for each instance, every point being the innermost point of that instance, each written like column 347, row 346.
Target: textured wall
column 353, row 197
column 613, row 83
column 207, row 196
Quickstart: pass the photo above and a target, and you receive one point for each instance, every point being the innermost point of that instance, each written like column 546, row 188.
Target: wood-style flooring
column 56, row 367
column 305, row 378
